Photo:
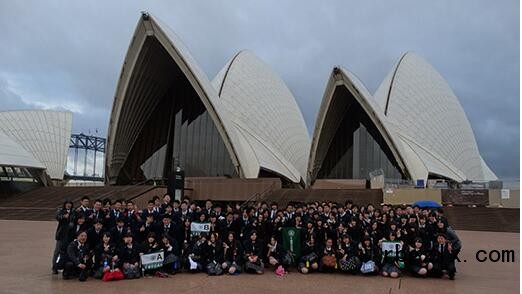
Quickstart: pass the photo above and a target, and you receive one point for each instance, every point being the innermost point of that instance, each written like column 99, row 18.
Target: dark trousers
column 439, row 267
column 57, row 250
column 70, row 270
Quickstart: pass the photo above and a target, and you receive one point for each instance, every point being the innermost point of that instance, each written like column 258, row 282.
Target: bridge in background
column 91, row 148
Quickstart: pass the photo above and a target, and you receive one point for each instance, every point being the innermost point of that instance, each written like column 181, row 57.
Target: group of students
column 112, row 236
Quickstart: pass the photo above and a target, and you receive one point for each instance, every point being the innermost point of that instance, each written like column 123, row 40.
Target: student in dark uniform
column 276, row 254
column 105, row 256
column 64, row 218
column 390, row 261
column 143, row 229
column 84, row 206
column 79, row 225
column 418, row 259
column 78, row 261
column 233, row 252
column 214, row 257
column 195, row 253
column 172, row 262
column 95, row 213
column 443, row 257
column 151, row 245
column 167, row 227
column 369, row 256
column 150, row 210
column 252, row 251
column 309, row 260
column 328, row 262
column 129, row 254
column 94, row 234
column 348, row 256
column 119, row 231
column 116, row 213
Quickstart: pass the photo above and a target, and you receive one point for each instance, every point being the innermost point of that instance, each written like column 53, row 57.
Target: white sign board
column 504, row 194
column 198, row 228
column 152, row 260
column 391, row 247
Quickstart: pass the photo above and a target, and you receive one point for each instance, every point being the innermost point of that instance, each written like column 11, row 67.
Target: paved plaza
column 25, row 248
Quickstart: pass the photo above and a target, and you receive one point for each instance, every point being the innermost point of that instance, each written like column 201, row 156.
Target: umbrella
column 427, row 204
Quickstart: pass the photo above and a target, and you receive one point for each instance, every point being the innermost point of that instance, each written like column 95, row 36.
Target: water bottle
column 105, row 263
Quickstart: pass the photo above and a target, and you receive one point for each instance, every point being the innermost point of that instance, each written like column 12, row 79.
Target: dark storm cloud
column 68, row 54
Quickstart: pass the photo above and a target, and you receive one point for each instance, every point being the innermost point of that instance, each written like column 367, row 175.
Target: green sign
column 292, row 241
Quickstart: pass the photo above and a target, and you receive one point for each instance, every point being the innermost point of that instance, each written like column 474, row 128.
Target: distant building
column 33, row 147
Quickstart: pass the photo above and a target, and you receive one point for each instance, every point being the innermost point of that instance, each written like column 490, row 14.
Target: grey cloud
column 70, row 53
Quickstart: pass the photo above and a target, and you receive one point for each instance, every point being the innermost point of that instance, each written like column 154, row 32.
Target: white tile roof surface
column 265, row 112
column 43, row 134
column 424, row 114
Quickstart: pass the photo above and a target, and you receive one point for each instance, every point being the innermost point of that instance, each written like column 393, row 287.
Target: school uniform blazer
column 372, row 253
column 234, row 253
column 279, row 253
column 64, row 224
column 349, row 250
column 94, row 238
column 444, row 257
column 414, row 257
column 170, row 231
column 76, row 252
column 252, row 248
column 129, row 255
column 74, row 229
column 117, row 237
column 100, row 254
column 99, row 214
column 214, row 252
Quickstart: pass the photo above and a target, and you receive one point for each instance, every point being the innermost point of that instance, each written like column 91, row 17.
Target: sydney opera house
column 245, row 123
column 33, row 148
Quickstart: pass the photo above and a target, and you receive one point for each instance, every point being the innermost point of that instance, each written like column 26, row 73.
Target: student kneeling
column 443, row 258
column 78, row 259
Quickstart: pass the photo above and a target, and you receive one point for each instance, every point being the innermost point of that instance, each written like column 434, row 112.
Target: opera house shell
column 247, row 124
column 412, row 128
column 166, row 112
column 34, row 144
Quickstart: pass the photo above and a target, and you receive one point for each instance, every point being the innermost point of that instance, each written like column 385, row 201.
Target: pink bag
column 280, row 271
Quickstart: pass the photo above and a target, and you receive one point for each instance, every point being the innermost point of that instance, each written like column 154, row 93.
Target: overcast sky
column 68, row 54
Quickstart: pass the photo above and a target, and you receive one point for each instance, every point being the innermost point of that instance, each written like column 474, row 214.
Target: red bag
column 112, row 275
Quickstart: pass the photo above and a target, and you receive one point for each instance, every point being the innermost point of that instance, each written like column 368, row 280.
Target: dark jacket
column 77, row 253
column 444, row 257
column 234, row 252
column 64, row 224
column 252, row 248
column 214, row 252
column 101, row 254
column 94, row 238
column 129, row 255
